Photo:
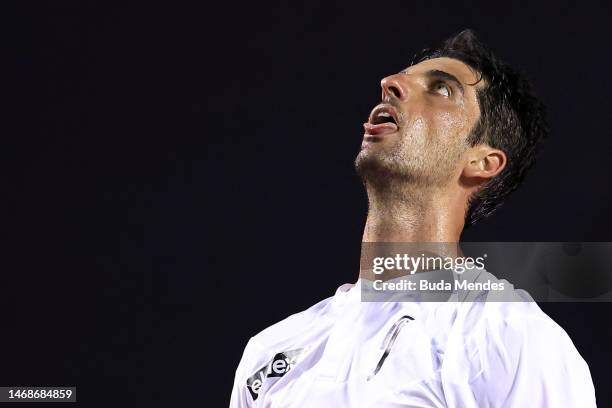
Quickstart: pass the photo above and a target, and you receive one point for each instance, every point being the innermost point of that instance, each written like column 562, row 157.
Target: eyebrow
column 436, row 73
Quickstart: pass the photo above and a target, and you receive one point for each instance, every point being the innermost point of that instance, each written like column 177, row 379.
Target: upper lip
column 383, row 108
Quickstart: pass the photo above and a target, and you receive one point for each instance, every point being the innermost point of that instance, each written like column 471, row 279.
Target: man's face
column 419, row 131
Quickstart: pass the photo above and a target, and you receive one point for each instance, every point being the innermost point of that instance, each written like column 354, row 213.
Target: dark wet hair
column 512, row 118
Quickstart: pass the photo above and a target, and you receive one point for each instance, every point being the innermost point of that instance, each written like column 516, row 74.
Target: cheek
column 420, row 125
column 417, row 133
column 450, row 125
column 441, row 126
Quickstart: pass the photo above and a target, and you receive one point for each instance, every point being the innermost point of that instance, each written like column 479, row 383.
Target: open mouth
column 383, row 119
column 383, row 114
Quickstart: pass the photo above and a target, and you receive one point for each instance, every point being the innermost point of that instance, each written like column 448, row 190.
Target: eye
column 442, row 89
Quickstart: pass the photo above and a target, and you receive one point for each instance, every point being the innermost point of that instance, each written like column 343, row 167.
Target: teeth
column 384, row 114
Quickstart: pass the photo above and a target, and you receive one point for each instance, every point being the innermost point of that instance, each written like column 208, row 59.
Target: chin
column 374, row 166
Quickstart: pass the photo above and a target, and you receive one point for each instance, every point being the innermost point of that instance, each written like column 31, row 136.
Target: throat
column 412, row 218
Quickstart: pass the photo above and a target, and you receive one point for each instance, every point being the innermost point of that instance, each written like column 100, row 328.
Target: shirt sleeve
column 530, row 361
column 240, row 397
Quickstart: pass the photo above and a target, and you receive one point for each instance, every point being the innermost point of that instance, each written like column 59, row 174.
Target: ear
column 484, row 163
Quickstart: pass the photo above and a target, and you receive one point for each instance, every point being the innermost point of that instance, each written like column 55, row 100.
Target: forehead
column 460, row 70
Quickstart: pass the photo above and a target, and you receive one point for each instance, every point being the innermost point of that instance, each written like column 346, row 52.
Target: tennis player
column 453, row 136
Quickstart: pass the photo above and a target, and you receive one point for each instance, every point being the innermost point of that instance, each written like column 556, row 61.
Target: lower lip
column 370, row 140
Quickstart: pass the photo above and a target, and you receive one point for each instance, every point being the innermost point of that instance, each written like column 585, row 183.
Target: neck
column 405, row 215
column 410, row 216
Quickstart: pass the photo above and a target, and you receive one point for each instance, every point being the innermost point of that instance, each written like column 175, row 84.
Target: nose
column 392, row 88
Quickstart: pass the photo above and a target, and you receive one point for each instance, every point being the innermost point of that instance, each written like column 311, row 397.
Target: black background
column 179, row 177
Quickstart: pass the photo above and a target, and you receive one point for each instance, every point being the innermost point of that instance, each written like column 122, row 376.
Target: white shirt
column 343, row 352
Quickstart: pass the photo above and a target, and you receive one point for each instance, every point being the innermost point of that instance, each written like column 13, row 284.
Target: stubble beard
column 411, row 162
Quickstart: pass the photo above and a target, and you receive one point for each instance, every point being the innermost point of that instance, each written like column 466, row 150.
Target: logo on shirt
column 280, row 365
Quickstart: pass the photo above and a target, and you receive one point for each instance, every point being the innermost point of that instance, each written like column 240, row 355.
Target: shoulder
column 521, row 356
column 512, row 320
column 273, row 351
column 285, row 335
column 524, row 331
